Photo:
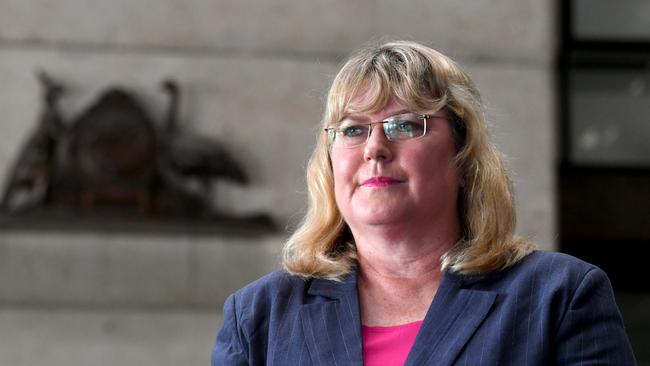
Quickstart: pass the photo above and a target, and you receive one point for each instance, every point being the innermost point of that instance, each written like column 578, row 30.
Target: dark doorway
column 603, row 94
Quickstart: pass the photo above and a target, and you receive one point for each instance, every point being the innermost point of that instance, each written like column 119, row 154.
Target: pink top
column 388, row 346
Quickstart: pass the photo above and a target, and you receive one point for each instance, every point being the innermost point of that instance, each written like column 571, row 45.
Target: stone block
column 496, row 29
column 519, row 108
column 74, row 336
column 130, row 270
column 221, row 270
column 84, row 269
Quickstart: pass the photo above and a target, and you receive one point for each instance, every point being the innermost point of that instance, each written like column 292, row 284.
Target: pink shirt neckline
column 388, row 345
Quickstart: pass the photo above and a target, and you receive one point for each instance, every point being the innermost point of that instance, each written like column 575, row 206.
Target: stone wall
column 255, row 72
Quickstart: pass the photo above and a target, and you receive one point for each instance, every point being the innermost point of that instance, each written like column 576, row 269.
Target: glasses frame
column 370, row 126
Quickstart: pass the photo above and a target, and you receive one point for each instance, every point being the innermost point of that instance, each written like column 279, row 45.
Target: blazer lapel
column 453, row 317
column 332, row 326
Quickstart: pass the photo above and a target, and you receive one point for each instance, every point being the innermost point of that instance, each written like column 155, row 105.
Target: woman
column 407, row 254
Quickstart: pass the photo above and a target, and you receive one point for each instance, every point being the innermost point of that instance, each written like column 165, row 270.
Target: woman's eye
column 353, row 131
column 408, row 126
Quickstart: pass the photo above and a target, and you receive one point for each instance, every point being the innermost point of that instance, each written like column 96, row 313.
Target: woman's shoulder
column 542, row 260
column 542, row 268
column 553, row 271
column 274, row 285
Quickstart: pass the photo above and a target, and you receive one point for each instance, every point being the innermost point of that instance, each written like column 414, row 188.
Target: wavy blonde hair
column 424, row 80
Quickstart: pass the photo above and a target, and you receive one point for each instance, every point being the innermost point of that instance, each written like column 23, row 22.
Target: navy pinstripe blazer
column 549, row 309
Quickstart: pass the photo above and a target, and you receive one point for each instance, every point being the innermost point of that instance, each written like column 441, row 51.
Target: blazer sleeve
column 591, row 331
column 229, row 348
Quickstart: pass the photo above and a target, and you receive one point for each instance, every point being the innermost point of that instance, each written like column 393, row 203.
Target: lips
column 376, row 182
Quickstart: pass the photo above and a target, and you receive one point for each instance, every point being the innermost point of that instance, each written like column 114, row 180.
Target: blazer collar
column 332, row 327
column 347, row 287
column 453, row 317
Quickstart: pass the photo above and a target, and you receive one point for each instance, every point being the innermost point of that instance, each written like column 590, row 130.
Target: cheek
column 343, row 169
column 438, row 167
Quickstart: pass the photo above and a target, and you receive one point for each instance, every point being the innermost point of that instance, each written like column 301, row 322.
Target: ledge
column 122, row 270
column 131, row 223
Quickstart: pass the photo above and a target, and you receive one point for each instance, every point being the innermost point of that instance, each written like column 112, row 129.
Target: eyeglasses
column 401, row 127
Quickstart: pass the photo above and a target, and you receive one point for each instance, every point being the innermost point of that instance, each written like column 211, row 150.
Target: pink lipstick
column 378, row 182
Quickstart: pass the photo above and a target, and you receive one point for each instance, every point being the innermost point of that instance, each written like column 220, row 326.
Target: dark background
column 604, row 155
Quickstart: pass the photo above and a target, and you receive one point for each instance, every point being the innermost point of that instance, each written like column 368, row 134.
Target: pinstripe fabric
column 549, row 309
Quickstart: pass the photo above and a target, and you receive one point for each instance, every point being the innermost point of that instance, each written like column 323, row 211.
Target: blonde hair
column 424, row 80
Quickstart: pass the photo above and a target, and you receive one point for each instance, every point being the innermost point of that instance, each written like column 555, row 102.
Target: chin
column 381, row 216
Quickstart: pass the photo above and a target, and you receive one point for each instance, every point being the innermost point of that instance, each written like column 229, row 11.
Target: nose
column 377, row 147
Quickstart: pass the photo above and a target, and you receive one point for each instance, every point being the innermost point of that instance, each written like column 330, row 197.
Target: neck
column 398, row 279
column 397, row 252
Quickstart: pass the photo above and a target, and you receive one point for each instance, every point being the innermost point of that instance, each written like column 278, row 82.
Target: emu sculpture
column 29, row 182
column 191, row 156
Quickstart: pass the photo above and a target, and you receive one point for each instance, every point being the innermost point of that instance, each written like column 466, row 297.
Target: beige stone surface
column 220, row 270
column 519, row 109
column 75, row 337
column 90, row 270
column 123, row 270
column 495, row 29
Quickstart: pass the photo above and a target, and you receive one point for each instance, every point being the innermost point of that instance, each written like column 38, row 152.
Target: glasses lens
column 352, row 135
column 404, row 127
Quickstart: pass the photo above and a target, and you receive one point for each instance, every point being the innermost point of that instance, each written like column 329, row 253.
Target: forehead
column 367, row 105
